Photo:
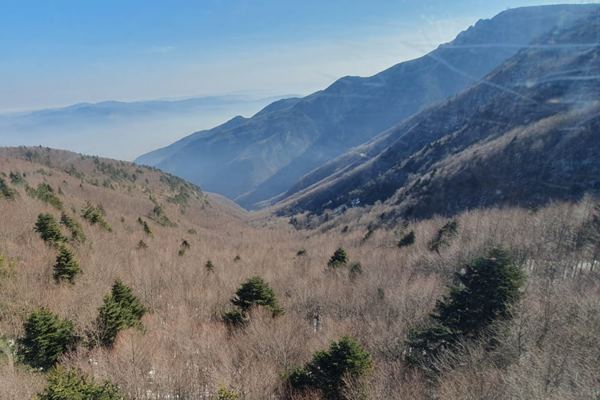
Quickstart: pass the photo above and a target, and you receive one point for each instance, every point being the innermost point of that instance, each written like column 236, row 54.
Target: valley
column 185, row 348
column 428, row 232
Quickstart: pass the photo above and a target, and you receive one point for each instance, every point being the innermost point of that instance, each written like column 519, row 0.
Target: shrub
column 589, row 232
column 443, row 236
column 7, row 266
column 235, row 318
column 45, row 193
column 73, row 385
column 338, row 259
column 369, row 233
column 301, row 252
column 484, row 293
column 145, row 227
column 49, row 229
column 237, row 258
column 226, row 394
column 142, row 245
column 74, row 227
column 329, row 371
column 407, row 240
column 95, row 216
column 158, row 215
column 121, row 310
column 46, row 338
column 16, row 178
column 183, row 247
column 256, row 292
column 355, row 271
column 6, row 191
column 66, row 267
column 210, row 267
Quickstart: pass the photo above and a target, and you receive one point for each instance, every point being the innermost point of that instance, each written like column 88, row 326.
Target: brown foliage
column 550, row 350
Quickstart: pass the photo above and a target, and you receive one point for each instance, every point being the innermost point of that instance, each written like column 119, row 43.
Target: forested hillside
column 125, row 275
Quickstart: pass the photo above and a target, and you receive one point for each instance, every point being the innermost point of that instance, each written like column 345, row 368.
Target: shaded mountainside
column 528, row 134
column 254, row 160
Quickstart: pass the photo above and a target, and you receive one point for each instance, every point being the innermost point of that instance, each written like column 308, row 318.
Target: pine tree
column 46, row 338
column 329, row 371
column 6, row 191
column 124, row 296
column 73, row 385
column 338, row 259
column 45, row 193
column 355, row 271
column 109, row 321
column 185, row 246
column 66, row 267
column 49, row 229
column 210, row 267
column 484, row 293
column 256, row 292
column 444, row 236
column 145, row 227
column 74, row 227
column 120, row 310
column 95, row 216
column 407, row 239
column 226, row 394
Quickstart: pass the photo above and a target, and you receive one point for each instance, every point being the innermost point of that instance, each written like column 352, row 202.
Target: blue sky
column 59, row 52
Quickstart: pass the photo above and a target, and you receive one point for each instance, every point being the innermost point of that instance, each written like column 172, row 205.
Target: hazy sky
column 59, row 52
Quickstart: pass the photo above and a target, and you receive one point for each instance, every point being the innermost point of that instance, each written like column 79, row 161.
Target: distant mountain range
column 121, row 129
column 529, row 133
column 271, row 156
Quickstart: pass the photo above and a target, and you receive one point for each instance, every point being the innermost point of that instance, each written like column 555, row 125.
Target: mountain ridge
column 267, row 154
column 530, row 93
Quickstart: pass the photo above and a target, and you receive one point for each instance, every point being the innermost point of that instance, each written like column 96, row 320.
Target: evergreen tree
column 210, row 267
column 120, row 310
column 256, row 292
column 16, row 178
column 45, row 193
column 226, row 394
column 338, row 259
column 444, row 236
column 74, row 227
column 407, row 240
column 66, row 267
column 6, row 191
column 235, row 318
column 355, row 271
column 49, row 229
column 185, row 246
column 329, row 371
column 46, row 338
column 95, row 216
column 145, row 227
column 73, row 385
column 484, row 293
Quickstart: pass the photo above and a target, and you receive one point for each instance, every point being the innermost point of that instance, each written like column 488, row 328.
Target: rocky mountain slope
column 525, row 135
column 256, row 159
